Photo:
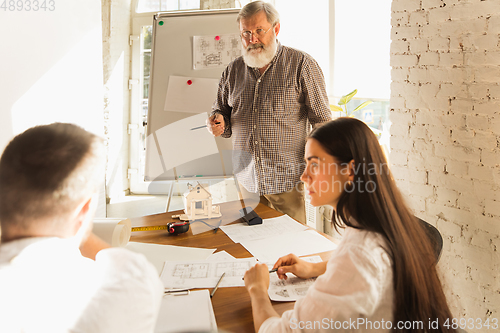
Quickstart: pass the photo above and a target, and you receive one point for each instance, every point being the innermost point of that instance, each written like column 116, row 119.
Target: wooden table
column 232, row 307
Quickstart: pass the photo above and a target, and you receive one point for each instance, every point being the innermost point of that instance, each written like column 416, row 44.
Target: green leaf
column 362, row 106
column 346, row 98
column 335, row 108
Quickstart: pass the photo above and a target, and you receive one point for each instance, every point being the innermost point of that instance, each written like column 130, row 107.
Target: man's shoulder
column 290, row 51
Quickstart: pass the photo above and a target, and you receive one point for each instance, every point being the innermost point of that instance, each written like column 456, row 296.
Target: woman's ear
column 351, row 170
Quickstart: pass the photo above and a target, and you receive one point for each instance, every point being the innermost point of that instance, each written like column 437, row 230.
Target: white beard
column 262, row 58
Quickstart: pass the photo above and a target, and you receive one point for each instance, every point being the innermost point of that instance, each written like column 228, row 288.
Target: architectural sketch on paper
column 232, row 268
column 215, row 51
column 191, row 271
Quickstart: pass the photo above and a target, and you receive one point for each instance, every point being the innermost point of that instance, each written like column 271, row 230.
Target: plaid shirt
column 268, row 117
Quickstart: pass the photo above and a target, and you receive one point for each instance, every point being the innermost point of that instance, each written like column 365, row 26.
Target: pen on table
column 217, row 285
column 176, row 292
column 195, row 128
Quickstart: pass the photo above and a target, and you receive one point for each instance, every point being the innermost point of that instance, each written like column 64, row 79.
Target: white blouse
column 355, row 294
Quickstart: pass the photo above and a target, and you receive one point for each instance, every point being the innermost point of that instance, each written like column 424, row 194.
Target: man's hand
column 215, row 124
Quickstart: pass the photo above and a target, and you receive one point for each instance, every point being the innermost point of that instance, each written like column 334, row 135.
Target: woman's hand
column 257, row 279
column 300, row 268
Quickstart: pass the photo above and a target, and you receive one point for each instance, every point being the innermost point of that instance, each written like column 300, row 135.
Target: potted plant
column 344, row 100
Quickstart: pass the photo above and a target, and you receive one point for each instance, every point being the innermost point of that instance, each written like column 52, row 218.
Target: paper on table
column 114, row 231
column 186, row 313
column 190, row 94
column 292, row 288
column 300, row 243
column 205, row 274
column 220, row 256
column 189, row 145
column 242, row 232
column 157, row 254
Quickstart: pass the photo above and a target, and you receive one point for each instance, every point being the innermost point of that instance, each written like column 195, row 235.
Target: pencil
column 217, row 285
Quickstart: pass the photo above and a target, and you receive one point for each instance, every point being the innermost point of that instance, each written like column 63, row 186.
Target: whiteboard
column 174, row 149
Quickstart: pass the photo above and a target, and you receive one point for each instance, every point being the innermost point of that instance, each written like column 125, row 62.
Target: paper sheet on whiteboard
column 180, row 144
column 196, row 97
column 215, row 51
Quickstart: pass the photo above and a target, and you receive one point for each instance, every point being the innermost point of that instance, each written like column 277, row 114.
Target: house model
column 198, row 204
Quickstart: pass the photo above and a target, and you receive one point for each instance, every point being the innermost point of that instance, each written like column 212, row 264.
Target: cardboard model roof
column 202, row 194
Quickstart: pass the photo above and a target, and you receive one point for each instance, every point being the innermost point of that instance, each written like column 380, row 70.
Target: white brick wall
column 445, row 109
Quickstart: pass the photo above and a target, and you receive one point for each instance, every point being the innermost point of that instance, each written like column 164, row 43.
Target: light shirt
column 46, row 285
column 268, row 117
column 356, row 287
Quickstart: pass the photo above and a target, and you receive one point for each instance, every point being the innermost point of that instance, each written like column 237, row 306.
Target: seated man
column 55, row 275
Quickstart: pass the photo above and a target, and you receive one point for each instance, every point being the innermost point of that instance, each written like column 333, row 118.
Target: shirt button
column 258, row 81
column 255, row 110
column 258, row 158
column 254, row 126
column 256, row 142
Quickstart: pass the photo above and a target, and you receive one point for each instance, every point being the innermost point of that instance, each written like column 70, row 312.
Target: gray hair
column 252, row 8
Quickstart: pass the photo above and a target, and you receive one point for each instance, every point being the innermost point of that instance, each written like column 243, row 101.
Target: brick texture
column 445, row 110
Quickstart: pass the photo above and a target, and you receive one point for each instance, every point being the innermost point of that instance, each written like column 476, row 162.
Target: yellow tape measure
column 156, row 227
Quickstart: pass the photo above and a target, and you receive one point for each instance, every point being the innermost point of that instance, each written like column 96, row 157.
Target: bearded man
column 266, row 101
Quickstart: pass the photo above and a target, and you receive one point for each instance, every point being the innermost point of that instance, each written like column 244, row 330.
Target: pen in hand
column 195, row 128
column 271, row 271
column 217, row 285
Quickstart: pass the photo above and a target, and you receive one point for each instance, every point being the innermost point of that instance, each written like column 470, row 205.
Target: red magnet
column 217, row 37
column 189, row 82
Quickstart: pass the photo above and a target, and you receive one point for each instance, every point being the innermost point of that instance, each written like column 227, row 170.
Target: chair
column 435, row 237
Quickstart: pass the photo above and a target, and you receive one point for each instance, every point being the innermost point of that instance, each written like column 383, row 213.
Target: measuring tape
column 156, row 227
column 173, row 228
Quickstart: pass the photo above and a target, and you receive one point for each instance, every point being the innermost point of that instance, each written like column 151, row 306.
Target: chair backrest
column 435, row 237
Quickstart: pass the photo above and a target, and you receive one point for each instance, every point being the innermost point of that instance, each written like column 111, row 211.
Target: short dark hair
column 46, row 171
column 254, row 7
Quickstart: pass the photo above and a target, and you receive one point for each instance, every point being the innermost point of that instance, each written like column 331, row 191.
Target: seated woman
column 382, row 277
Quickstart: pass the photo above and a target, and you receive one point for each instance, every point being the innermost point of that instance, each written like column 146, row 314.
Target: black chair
column 435, row 237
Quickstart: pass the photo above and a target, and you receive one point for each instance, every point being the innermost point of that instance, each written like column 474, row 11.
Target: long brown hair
column 377, row 205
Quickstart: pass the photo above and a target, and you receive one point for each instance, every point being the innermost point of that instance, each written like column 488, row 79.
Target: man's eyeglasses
column 259, row 33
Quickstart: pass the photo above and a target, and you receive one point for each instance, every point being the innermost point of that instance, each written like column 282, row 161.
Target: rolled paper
column 114, row 231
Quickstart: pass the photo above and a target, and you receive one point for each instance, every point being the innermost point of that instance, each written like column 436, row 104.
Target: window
column 145, row 6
